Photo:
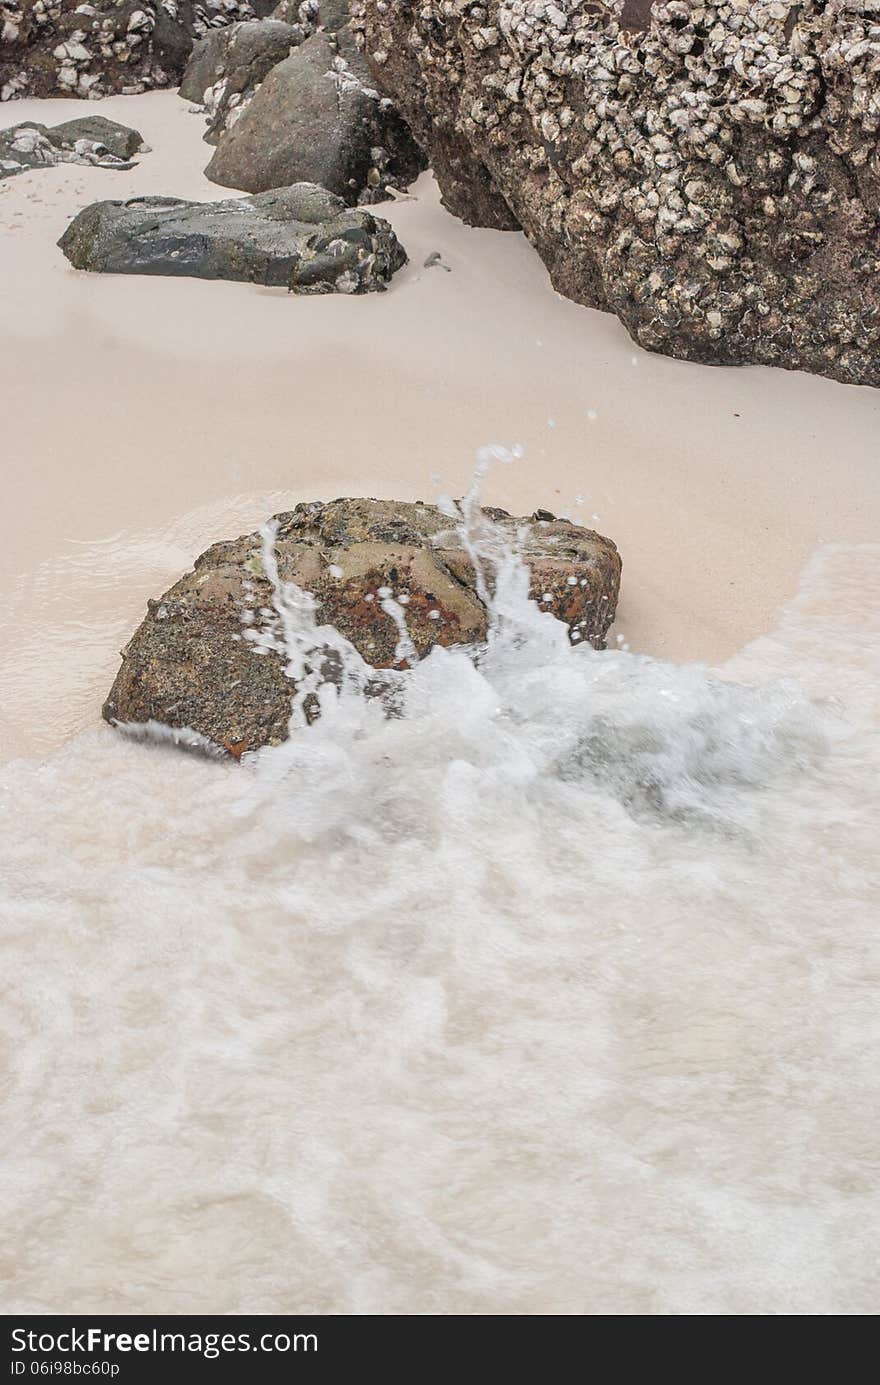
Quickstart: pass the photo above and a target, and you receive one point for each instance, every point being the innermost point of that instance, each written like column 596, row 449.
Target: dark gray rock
column 316, row 118
column 301, row 237
column 174, row 32
column 119, row 140
column 89, row 140
column 229, row 64
column 193, row 663
column 333, row 15
column 709, row 173
column 205, row 64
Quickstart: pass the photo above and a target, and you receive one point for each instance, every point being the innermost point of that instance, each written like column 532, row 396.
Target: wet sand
column 143, row 418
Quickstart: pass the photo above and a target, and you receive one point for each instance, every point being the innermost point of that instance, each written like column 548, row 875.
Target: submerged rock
column 301, row 237
column 709, row 173
column 206, row 657
column 88, row 140
column 66, row 48
column 316, row 117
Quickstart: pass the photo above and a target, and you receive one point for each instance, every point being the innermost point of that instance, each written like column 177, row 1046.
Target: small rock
column 120, row 140
column 89, row 140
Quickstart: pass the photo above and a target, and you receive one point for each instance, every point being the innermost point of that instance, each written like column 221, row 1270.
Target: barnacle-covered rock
column 372, row 566
column 301, row 237
column 71, row 48
column 710, row 172
column 317, row 117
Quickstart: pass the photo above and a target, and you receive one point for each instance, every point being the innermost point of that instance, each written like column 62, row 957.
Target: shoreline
column 148, row 417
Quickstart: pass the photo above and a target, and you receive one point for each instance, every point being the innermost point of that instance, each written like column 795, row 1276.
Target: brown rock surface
column 194, row 662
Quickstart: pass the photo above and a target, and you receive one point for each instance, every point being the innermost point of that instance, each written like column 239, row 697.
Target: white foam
column 551, row 992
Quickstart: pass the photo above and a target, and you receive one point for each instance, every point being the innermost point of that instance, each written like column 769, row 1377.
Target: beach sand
column 553, row 993
column 143, row 418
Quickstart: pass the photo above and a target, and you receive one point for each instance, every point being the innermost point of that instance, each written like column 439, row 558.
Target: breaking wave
column 549, row 992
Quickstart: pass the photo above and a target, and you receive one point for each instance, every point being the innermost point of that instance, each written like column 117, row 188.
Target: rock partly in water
column 228, row 65
column 207, row 656
column 317, row 118
column 88, row 140
column 709, row 173
column 300, row 237
column 66, row 48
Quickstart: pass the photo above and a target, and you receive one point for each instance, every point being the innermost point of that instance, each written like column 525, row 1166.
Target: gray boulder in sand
column 206, row 657
column 88, row 140
column 301, row 237
column 317, row 118
column 229, row 64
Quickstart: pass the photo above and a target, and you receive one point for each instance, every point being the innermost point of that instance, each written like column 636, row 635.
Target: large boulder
column 88, row 140
column 466, row 183
column 317, row 118
column 228, row 65
column 708, row 172
column 301, row 237
column 67, row 48
column 194, row 663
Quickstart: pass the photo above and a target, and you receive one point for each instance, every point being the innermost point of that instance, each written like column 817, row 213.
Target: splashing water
column 554, row 991
column 676, row 742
